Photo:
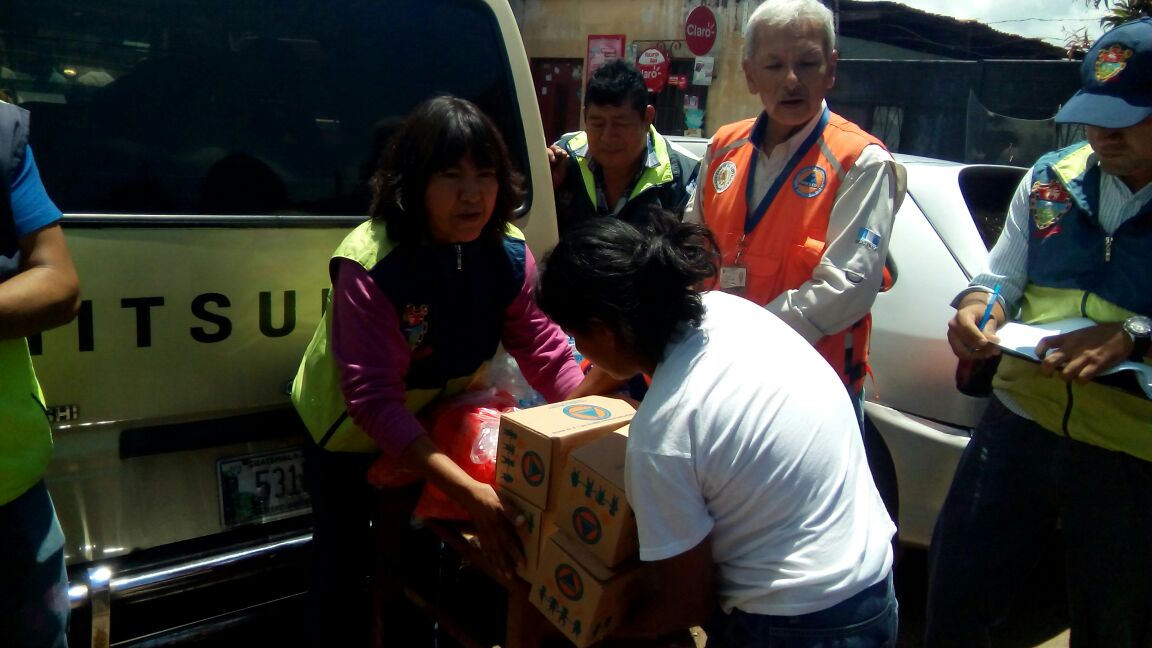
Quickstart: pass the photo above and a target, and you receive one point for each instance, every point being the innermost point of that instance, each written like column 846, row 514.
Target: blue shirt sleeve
column 32, row 209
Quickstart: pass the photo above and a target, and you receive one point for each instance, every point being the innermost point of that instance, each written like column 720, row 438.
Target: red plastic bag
column 464, row 427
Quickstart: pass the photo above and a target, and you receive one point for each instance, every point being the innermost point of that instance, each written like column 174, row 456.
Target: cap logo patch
column 1111, row 62
column 723, row 176
column 1049, row 202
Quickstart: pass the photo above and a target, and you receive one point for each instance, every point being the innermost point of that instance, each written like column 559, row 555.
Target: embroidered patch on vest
column 1048, row 203
column 1111, row 62
column 809, row 181
column 723, row 176
column 413, row 324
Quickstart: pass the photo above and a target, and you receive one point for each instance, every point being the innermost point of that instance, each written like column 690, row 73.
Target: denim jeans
column 867, row 620
column 1015, row 484
column 33, row 582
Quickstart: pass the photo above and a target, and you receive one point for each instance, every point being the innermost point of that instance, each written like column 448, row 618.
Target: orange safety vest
column 785, row 247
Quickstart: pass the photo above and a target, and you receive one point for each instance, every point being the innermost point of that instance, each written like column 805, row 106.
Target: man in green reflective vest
column 39, row 290
column 619, row 165
column 1058, row 447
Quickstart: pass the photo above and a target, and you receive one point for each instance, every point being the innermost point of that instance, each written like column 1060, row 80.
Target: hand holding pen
column 967, row 332
column 992, row 297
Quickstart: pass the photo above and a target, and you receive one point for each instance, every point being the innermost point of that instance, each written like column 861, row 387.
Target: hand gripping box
column 534, row 443
column 537, row 526
column 582, row 598
column 592, row 508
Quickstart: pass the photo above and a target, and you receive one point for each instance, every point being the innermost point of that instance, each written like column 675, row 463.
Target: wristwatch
column 1139, row 328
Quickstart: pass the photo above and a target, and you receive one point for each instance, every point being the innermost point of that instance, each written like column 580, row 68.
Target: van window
column 238, row 106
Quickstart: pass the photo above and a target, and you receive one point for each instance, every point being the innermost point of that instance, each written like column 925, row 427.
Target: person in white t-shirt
column 744, row 465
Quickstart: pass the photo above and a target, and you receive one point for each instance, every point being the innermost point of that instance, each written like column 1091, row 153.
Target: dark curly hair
column 617, row 83
column 435, row 136
column 640, row 281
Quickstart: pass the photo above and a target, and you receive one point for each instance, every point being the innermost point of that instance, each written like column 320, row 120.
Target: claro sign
column 700, row 30
column 653, row 65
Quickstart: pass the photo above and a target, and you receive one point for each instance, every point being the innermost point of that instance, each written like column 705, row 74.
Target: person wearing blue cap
column 1056, row 447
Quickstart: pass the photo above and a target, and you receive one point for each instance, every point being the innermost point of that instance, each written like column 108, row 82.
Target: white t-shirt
column 746, row 434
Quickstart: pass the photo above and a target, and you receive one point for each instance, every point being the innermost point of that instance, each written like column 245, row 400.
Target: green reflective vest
column 25, row 434
column 316, row 390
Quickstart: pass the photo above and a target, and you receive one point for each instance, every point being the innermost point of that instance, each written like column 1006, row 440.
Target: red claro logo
column 653, row 66
column 700, row 30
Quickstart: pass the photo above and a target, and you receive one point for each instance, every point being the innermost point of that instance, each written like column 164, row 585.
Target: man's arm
column 678, row 593
column 675, row 528
column 694, row 210
column 1006, row 267
column 46, row 292
column 848, row 277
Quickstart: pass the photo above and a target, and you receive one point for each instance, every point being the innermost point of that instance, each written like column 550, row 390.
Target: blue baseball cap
column 1117, row 79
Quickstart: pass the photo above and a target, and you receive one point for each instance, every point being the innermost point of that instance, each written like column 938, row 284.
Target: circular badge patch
column 809, row 182
column 569, row 583
column 532, row 466
column 723, row 176
column 587, row 525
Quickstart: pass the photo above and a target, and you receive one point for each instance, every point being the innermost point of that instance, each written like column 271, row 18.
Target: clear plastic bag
column 504, row 375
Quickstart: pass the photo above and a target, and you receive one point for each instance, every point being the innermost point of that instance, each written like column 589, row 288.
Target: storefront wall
column 559, row 29
column 916, row 103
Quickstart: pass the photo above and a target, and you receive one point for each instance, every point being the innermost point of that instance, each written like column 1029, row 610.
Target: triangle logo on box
column 586, row 412
column 587, row 525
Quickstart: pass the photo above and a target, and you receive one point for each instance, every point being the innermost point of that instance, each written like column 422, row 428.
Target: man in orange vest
column 800, row 199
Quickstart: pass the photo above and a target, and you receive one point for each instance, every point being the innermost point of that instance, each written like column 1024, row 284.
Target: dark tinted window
column 987, row 192
column 237, row 106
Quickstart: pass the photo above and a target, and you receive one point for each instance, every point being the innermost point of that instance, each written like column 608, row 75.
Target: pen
column 988, row 311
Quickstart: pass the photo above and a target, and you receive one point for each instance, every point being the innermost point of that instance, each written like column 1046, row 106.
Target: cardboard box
column 592, row 508
column 582, row 598
column 534, row 443
column 539, row 525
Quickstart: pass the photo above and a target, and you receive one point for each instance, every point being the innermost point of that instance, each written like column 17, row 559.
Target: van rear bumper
column 150, row 599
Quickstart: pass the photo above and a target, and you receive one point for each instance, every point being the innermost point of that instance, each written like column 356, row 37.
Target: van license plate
column 262, row 487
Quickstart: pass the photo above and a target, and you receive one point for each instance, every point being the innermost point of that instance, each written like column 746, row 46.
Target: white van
column 209, row 155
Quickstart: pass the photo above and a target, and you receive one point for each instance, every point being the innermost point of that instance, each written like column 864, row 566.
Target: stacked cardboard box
column 533, row 450
column 578, row 594
column 587, row 573
column 592, row 508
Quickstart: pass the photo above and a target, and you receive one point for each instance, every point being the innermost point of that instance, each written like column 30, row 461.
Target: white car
column 951, row 217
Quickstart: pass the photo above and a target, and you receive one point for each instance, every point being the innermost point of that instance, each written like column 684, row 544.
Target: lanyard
column 753, row 218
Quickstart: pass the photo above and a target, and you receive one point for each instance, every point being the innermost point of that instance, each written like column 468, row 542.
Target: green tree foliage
column 1121, row 11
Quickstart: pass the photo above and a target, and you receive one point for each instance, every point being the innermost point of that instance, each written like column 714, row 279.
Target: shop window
column 669, row 102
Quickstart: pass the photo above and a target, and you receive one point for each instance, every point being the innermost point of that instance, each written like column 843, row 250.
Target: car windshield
column 237, row 106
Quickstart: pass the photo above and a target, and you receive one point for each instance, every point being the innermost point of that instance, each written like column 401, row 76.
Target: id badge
column 733, row 279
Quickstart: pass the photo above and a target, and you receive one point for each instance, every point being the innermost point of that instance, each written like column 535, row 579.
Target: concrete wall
column 933, row 97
